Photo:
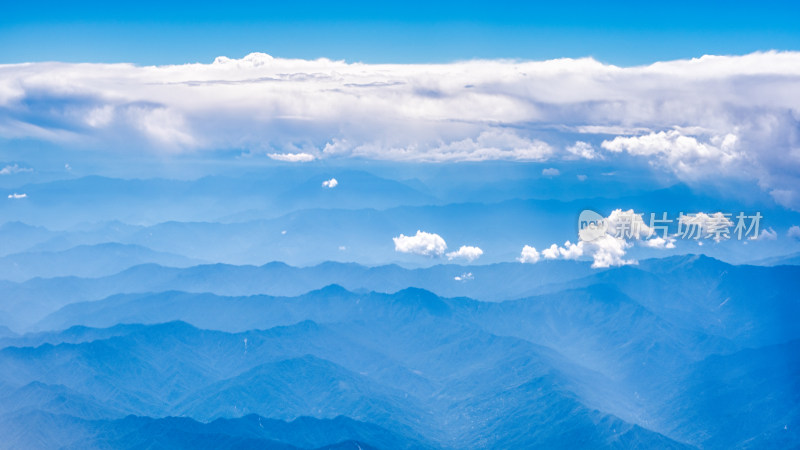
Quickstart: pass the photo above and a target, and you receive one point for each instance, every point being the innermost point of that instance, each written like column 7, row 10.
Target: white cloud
column 583, row 150
column 14, row 168
column 17, row 196
column 625, row 228
column 660, row 242
column 715, row 116
column 487, row 145
column 466, row 276
column 794, row 232
column 767, row 234
column 292, row 157
column 422, row 243
column 529, row 255
column 467, row 252
column 582, row 177
column 330, row 184
column 685, row 155
column 551, row 252
column 605, row 251
column 551, row 172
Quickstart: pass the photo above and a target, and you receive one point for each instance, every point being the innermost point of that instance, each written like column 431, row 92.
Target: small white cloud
column 342, row 248
column 529, row 255
column 292, row 157
column 330, row 184
column 583, row 150
column 659, row 242
column 794, row 232
column 422, row 243
column 67, row 167
column 551, row 172
column 467, row 252
column 582, row 177
column 466, row 276
column 767, row 234
column 14, row 168
column 17, row 196
column 283, row 231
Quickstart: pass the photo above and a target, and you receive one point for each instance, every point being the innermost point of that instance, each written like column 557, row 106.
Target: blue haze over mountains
column 172, row 311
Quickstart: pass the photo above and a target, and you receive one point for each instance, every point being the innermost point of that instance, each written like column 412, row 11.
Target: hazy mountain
column 271, row 192
column 415, row 329
column 84, row 261
column 746, row 304
column 792, row 259
column 643, row 356
column 41, row 430
column 713, row 403
column 24, row 236
column 27, row 302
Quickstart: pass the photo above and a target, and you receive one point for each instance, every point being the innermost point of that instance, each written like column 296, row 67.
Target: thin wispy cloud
column 12, row 169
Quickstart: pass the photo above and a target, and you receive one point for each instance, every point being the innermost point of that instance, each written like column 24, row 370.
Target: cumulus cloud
column 17, row 196
column 583, row 150
column 529, row 255
column 422, row 243
column 291, row 157
column 624, row 229
column 330, row 184
column 466, row 252
column 715, row 116
column 767, row 234
column 14, row 168
column 606, row 251
column 685, row 155
column 659, row 243
column 794, row 232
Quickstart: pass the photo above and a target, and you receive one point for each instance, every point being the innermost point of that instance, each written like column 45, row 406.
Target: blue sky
column 622, row 33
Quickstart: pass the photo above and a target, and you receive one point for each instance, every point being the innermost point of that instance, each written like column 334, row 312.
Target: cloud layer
column 715, row 116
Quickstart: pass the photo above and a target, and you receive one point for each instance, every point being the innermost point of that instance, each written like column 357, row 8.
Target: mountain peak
column 421, row 298
column 331, row 290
